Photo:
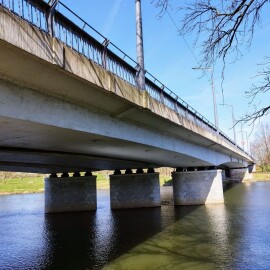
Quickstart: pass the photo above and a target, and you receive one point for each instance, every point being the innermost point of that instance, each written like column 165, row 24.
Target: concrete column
column 67, row 194
column 252, row 168
column 239, row 174
column 223, row 174
column 197, row 187
column 134, row 190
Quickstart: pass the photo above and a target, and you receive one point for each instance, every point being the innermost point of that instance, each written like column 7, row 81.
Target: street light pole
column 213, row 92
column 140, row 54
column 214, row 98
column 247, row 141
column 242, row 132
column 248, row 150
column 233, row 120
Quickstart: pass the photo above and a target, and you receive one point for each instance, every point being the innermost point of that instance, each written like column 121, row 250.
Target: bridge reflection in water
column 230, row 236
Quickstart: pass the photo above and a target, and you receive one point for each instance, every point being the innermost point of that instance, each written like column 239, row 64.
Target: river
column 235, row 235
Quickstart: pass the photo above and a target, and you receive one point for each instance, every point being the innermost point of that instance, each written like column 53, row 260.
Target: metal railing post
column 50, row 17
column 105, row 44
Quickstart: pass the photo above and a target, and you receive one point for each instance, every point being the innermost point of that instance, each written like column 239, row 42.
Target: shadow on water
column 90, row 240
column 231, row 236
column 228, row 186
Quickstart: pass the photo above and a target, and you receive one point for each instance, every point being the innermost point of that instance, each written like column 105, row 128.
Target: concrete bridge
column 70, row 104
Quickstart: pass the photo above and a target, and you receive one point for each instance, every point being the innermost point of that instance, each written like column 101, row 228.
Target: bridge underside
column 33, row 147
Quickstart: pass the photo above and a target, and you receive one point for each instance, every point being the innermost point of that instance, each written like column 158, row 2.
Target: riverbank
column 35, row 184
column 259, row 176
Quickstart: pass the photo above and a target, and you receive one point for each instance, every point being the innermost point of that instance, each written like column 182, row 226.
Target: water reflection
column 88, row 240
column 230, row 236
column 219, row 233
column 70, row 236
column 182, row 245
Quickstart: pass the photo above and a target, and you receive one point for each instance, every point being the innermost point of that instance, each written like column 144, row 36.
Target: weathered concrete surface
column 240, row 174
column 100, row 115
column 252, row 168
column 70, row 194
column 197, row 187
column 134, row 190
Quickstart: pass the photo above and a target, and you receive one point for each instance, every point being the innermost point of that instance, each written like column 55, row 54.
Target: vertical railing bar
column 28, row 8
column 36, row 17
column 32, row 14
column 72, row 38
column 19, row 8
column 59, row 27
column 88, row 50
column 23, row 3
column 65, row 35
column 40, row 23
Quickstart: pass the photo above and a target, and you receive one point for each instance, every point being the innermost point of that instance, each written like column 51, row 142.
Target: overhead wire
column 189, row 48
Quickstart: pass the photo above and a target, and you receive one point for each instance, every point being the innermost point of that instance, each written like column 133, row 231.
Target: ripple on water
column 230, row 236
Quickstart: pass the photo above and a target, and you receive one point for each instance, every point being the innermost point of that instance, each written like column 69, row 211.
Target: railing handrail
column 151, row 80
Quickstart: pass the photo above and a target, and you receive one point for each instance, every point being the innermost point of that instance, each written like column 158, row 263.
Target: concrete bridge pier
column 197, row 187
column 240, row 174
column 134, row 190
column 67, row 194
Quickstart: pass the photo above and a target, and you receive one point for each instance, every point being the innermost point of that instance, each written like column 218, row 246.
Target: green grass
column 36, row 184
column 19, row 185
column 259, row 176
column 102, row 181
column 164, row 179
column 22, row 185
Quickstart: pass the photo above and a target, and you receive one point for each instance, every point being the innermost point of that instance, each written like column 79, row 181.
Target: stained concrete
column 70, row 194
column 134, row 190
column 197, row 187
column 240, row 174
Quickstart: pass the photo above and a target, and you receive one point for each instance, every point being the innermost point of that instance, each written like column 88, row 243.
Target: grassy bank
column 35, row 184
column 17, row 185
column 21, row 185
column 259, row 176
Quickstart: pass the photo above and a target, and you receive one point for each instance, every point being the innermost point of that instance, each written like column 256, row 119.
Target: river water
column 235, row 235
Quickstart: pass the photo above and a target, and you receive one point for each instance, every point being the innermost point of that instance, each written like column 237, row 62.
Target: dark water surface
column 235, row 235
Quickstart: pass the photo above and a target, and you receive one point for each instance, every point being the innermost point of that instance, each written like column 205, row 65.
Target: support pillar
column 134, row 190
column 197, row 187
column 240, row 174
column 67, row 194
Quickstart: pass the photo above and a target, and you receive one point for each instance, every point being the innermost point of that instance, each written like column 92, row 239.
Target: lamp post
column 140, row 54
column 233, row 120
column 243, row 141
column 213, row 92
column 247, row 141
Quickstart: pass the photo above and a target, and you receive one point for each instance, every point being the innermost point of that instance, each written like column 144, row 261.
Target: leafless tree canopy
column 261, row 147
column 223, row 28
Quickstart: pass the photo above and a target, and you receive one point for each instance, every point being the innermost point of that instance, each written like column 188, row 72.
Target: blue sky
column 169, row 58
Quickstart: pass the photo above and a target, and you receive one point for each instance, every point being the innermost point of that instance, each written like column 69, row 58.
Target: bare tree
column 224, row 28
column 261, row 147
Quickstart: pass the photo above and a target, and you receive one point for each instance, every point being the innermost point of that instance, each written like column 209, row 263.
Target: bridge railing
column 35, row 12
column 89, row 42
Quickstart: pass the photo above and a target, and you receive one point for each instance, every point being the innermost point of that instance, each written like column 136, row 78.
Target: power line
column 173, row 21
column 188, row 46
